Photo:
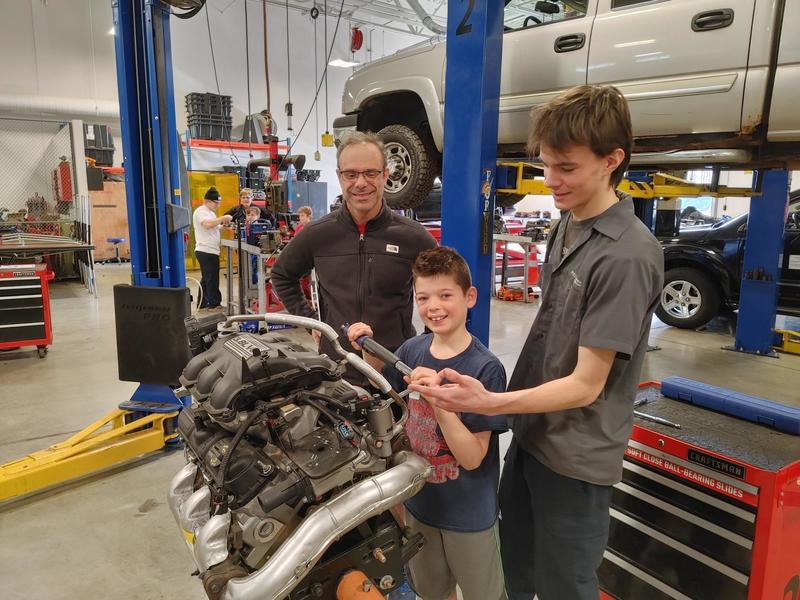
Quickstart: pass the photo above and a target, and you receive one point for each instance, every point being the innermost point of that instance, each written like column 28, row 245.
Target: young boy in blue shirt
column 457, row 510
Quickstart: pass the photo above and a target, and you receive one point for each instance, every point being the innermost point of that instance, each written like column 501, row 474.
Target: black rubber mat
column 750, row 443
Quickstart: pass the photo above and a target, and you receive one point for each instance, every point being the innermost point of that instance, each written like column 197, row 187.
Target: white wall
column 736, row 206
column 57, row 48
column 62, row 48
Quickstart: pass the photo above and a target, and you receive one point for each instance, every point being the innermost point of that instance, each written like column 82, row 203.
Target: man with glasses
column 206, row 248
column 362, row 253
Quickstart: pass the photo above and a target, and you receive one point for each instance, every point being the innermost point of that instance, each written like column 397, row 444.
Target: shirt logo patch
column 392, row 248
column 575, row 281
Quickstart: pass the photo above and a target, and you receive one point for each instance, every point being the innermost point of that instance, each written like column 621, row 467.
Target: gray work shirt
column 600, row 294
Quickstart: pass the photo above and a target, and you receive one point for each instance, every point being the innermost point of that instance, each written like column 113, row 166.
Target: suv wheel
column 411, row 167
column 688, row 300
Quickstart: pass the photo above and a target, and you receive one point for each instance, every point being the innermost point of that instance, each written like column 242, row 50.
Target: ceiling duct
column 427, row 20
column 59, row 105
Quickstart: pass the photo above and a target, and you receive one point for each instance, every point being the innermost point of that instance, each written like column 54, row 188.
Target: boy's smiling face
column 442, row 304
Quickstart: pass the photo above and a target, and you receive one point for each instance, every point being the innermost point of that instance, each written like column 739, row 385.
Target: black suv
column 703, row 270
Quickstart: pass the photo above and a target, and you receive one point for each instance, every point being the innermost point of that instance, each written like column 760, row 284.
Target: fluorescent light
column 345, row 64
column 112, row 31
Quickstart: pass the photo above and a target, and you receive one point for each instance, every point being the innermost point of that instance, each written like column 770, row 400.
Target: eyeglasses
column 369, row 175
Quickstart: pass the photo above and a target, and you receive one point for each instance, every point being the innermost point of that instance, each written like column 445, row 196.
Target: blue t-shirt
column 453, row 498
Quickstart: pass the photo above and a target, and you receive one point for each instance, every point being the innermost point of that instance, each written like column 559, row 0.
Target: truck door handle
column 568, row 43
column 712, row 19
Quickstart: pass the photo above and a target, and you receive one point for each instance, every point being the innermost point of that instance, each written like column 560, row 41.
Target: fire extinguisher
column 62, row 181
column 356, row 40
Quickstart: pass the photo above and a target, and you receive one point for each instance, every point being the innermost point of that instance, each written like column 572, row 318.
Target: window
column 520, row 14
column 627, row 3
column 697, row 211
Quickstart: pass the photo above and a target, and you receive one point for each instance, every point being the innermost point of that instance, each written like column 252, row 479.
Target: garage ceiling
column 397, row 15
column 394, row 15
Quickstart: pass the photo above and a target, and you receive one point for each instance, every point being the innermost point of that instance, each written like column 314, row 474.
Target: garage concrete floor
column 112, row 536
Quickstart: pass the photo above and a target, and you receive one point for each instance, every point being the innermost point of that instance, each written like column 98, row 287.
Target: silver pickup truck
column 708, row 82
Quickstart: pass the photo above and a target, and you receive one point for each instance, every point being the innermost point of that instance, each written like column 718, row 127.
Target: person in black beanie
column 206, row 225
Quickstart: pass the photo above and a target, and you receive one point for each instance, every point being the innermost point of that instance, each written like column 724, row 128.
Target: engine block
column 290, row 469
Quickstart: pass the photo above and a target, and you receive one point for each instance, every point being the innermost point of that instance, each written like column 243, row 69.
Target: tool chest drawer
column 24, row 287
column 21, row 316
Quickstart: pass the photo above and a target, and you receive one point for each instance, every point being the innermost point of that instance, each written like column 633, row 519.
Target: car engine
column 291, row 470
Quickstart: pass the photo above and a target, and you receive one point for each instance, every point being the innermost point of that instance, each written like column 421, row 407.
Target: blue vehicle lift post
column 150, row 142
column 472, row 93
column 157, row 217
column 758, row 298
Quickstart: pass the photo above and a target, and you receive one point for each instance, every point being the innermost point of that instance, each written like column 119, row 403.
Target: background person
column 305, row 213
column 239, row 212
column 206, row 225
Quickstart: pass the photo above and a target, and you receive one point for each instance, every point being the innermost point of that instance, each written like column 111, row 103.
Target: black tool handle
column 383, row 354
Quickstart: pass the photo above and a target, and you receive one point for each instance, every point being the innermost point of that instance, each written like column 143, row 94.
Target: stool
column 115, row 241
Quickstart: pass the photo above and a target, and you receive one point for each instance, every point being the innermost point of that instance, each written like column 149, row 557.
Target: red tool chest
column 710, row 511
column 25, row 307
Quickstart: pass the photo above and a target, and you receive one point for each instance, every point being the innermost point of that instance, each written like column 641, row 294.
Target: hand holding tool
column 381, row 353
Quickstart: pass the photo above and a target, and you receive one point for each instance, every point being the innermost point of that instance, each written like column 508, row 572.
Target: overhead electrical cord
column 319, row 85
column 288, row 73
column 316, row 75
column 192, row 7
column 266, row 57
column 234, row 158
column 328, row 58
column 247, row 75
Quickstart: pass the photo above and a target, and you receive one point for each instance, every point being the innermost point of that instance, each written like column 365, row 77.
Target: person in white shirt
column 206, row 248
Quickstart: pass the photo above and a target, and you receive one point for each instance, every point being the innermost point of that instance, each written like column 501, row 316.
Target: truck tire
column 411, row 165
column 689, row 298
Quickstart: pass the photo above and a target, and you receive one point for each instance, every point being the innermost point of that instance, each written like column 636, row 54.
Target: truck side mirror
column 547, row 8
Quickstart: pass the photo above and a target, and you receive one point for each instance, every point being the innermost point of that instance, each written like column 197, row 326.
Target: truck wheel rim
column 398, row 161
column 681, row 299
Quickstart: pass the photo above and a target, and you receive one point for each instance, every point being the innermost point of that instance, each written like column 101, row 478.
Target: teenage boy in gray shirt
column 571, row 393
